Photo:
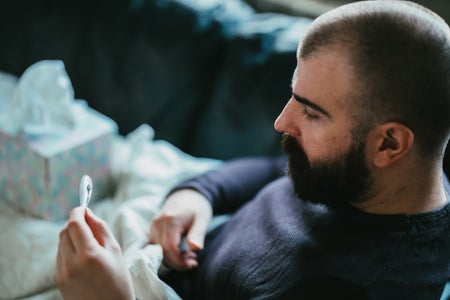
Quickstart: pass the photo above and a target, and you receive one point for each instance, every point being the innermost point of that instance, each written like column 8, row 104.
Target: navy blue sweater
column 276, row 246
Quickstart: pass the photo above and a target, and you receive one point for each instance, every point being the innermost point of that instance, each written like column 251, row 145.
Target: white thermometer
column 85, row 190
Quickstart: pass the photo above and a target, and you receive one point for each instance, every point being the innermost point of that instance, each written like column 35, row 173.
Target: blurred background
column 316, row 7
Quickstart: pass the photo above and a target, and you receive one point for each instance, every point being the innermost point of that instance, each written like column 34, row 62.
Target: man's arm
column 188, row 210
column 236, row 182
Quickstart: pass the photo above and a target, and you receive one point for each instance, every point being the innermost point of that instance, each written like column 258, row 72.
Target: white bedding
column 144, row 170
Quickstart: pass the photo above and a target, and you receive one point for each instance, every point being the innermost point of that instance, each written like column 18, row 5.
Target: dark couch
column 209, row 77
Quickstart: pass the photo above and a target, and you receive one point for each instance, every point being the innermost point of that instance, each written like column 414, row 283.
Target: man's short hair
column 400, row 52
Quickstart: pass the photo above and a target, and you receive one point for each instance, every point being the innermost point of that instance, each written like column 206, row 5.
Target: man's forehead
column 325, row 76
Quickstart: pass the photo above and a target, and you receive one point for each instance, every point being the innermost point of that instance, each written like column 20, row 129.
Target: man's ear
column 389, row 143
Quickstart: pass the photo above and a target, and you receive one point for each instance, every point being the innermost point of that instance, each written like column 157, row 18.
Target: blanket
column 143, row 171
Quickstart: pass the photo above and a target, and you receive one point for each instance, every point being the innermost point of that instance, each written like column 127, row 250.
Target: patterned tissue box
column 40, row 175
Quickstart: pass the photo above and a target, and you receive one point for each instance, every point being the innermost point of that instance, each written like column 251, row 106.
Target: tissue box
column 40, row 174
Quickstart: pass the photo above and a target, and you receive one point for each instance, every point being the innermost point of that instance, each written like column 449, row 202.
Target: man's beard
column 334, row 182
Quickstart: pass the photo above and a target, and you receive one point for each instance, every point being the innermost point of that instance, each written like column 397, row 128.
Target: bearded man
column 364, row 210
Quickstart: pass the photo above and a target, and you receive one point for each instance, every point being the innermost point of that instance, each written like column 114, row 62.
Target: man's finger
column 59, row 268
column 78, row 231
column 65, row 246
column 190, row 259
column 171, row 238
column 100, row 229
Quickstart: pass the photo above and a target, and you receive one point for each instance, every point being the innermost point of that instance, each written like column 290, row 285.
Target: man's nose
column 285, row 121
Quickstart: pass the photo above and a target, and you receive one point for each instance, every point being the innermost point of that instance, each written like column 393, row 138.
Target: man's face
column 327, row 164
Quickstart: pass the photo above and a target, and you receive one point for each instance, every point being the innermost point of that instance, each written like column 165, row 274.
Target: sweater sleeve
column 236, row 181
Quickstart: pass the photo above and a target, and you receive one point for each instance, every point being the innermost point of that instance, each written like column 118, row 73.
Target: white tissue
column 41, row 102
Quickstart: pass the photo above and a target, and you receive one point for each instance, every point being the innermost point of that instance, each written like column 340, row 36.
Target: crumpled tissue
column 48, row 141
column 41, row 102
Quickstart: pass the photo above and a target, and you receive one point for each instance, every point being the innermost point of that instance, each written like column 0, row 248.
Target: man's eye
column 309, row 116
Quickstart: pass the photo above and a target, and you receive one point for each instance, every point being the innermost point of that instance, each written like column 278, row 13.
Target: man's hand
column 184, row 213
column 89, row 263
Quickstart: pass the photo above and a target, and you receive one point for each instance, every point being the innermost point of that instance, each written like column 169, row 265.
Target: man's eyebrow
column 308, row 103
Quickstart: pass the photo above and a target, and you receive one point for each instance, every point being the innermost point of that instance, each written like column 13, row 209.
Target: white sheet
column 144, row 170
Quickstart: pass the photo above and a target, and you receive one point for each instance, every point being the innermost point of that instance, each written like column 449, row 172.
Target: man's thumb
column 196, row 235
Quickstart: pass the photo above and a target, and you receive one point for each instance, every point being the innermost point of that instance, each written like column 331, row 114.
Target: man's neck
column 408, row 195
